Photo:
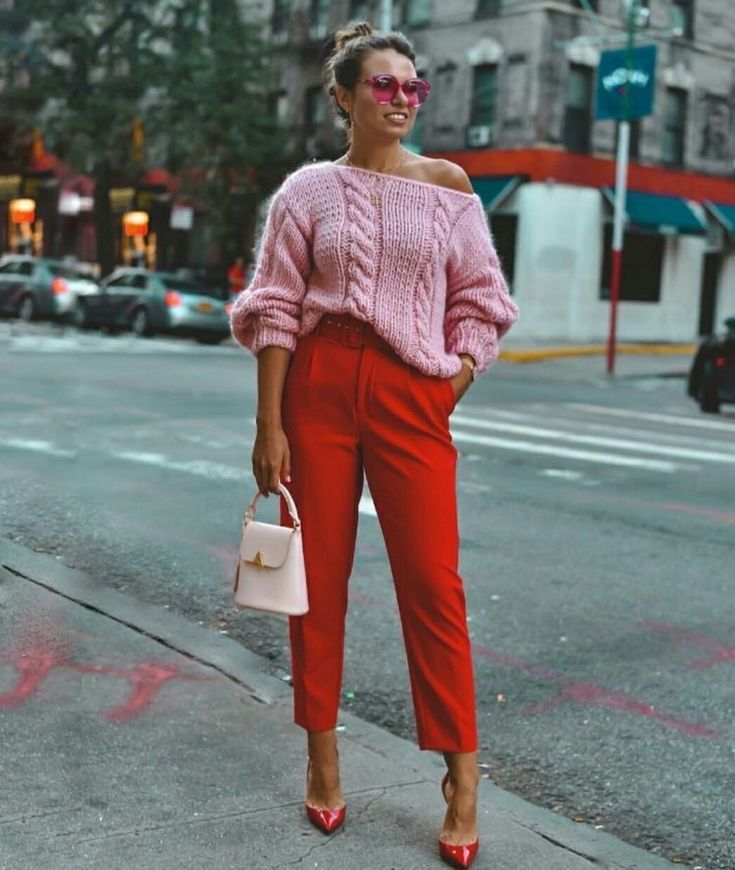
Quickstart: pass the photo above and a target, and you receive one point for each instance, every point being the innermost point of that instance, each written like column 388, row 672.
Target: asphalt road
column 598, row 527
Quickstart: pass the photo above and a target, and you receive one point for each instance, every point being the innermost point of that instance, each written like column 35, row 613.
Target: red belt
column 350, row 331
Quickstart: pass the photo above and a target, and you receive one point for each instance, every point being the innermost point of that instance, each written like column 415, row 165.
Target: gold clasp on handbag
column 257, row 560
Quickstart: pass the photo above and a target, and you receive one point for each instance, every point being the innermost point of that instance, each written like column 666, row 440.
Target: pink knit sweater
column 413, row 259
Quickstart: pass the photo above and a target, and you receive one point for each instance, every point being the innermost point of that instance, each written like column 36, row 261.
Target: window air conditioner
column 479, row 135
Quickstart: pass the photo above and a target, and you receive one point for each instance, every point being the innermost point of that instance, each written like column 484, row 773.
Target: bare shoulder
column 443, row 173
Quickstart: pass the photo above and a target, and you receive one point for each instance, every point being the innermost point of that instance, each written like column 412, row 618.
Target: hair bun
column 342, row 37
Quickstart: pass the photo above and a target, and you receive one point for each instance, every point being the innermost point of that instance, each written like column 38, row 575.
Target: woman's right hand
column 271, row 458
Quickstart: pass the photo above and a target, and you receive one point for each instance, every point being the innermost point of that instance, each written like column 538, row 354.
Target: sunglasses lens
column 416, row 90
column 384, row 88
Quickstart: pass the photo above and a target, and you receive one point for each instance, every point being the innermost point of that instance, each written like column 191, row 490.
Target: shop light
column 135, row 223
column 22, row 211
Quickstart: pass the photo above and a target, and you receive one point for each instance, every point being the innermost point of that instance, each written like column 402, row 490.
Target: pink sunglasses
column 385, row 87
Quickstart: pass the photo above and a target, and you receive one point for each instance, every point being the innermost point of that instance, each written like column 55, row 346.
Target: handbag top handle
column 290, row 503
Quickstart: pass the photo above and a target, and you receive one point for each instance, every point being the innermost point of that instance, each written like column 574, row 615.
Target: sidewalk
column 133, row 738
column 520, row 351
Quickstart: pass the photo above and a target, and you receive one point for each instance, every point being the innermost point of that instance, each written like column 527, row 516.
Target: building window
column 635, row 139
column 360, row 10
column 683, row 17
column 643, row 257
column 487, row 8
column 315, row 110
column 278, row 106
column 279, row 18
column 672, row 141
column 319, row 20
column 577, row 135
column 484, row 94
column 416, row 13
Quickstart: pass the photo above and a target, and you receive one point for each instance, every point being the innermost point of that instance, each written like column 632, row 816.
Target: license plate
column 204, row 307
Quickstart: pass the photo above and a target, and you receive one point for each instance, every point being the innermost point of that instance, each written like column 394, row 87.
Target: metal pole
column 386, row 15
column 621, row 181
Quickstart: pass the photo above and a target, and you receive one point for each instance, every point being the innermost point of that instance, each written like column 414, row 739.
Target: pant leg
column 410, row 463
column 326, row 482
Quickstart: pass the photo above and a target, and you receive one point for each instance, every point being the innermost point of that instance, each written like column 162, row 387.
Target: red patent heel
column 326, row 820
column 457, row 856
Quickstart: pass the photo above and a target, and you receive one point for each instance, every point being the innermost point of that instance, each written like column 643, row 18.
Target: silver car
column 159, row 302
column 37, row 288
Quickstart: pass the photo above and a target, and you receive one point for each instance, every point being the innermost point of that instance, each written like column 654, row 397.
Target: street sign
column 615, row 69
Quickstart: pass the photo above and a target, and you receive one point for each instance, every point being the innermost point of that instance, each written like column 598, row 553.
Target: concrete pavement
column 132, row 737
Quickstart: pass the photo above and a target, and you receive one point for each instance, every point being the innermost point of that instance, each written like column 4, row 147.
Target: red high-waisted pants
column 350, row 403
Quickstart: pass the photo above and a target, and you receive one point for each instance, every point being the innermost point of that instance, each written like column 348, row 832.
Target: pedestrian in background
column 236, row 277
column 376, row 298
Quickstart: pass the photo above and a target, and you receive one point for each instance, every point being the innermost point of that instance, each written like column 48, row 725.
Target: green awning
column 724, row 214
column 663, row 214
column 493, row 190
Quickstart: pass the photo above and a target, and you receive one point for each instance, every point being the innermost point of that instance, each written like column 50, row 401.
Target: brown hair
column 343, row 65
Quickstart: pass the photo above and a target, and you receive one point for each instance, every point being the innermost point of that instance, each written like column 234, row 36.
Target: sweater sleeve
column 479, row 308
column 268, row 312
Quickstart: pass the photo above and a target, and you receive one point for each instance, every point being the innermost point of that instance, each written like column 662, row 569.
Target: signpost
column 625, row 88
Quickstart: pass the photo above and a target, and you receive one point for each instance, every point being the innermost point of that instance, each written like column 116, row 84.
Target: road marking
column 197, row 467
column 568, row 453
column 598, row 441
column 607, row 428
column 562, row 473
column 656, row 418
column 37, row 447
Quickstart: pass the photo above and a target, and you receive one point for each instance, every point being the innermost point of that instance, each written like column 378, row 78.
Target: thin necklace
column 383, row 171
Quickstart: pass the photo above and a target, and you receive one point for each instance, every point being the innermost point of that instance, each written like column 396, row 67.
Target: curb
column 247, row 670
column 547, row 353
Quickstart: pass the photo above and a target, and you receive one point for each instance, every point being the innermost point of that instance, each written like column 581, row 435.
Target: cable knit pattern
column 413, row 259
column 362, row 253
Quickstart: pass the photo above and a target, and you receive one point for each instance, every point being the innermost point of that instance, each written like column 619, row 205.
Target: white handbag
column 270, row 573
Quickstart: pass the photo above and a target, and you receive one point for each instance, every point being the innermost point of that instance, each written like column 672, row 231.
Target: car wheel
column 27, row 309
column 709, row 400
column 79, row 315
column 140, row 323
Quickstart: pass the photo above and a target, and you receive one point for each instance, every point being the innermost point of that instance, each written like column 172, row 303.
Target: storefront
column 551, row 217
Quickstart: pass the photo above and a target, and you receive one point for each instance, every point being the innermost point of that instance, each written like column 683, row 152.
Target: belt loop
column 354, row 328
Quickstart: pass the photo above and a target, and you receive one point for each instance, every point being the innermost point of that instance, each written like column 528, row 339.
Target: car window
column 9, row 268
column 119, row 281
column 60, row 270
column 139, row 282
column 26, row 269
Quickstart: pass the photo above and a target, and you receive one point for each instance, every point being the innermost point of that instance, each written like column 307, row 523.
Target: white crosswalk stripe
column 590, row 434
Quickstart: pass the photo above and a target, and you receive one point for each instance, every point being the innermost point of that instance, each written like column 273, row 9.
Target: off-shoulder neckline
column 438, row 187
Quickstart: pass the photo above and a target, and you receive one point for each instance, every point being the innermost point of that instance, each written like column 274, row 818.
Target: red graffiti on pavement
column 147, row 678
column 589, row 694
column 719, row 652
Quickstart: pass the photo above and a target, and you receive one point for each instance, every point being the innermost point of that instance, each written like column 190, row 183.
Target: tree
column 87, row 64
column 215, row 117
column 192, row 74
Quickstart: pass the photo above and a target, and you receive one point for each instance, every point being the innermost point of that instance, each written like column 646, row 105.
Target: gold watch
column 469, row 363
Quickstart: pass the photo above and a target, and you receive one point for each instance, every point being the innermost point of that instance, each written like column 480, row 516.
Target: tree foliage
column 192, row 75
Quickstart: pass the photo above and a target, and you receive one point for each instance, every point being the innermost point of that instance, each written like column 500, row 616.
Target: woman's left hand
column 461, row 383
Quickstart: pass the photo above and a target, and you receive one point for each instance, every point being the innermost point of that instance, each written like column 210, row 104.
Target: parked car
column 38, row 288
column 712, row 375
column 158, row 302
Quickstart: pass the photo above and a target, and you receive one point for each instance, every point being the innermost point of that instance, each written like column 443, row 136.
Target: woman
column 377, row 296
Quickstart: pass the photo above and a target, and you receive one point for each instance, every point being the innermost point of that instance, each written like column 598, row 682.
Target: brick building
column 513, row 102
